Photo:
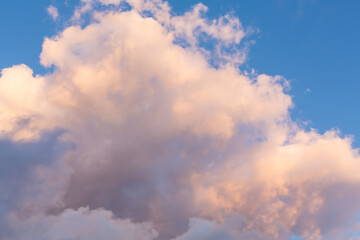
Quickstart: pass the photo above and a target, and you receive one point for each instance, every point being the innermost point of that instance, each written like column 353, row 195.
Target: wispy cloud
column 53, row 12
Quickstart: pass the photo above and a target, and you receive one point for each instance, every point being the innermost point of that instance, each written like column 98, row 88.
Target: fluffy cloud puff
column 81, row 224
column 172, row 139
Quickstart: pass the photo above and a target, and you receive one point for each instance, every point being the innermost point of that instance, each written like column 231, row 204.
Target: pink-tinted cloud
column 53, row 12
column 172, row 139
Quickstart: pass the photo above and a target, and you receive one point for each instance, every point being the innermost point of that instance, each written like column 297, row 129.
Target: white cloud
column 234, row 227
column 82, row 224
column 53, row 12
column 164, row 136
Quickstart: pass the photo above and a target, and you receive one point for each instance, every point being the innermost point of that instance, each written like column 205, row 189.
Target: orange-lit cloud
column 171, row 140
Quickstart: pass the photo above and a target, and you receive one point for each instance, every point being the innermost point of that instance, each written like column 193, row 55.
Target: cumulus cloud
column 233, row 227
column 35, row 162
column 80, row 224
column 170, row 140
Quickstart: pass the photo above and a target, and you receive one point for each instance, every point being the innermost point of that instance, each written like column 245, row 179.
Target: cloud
column 170, row 138
column 82, row 224
column 28, row 173
column 234, row 227
column 22, row 102
column 53, row 12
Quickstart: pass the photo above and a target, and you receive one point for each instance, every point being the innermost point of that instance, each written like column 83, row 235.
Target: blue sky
column 312, row 43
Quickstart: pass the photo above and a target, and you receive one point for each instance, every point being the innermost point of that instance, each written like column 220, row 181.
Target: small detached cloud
column 53, row 12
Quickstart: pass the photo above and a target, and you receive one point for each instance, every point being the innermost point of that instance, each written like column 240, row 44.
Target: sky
column 179, row 120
